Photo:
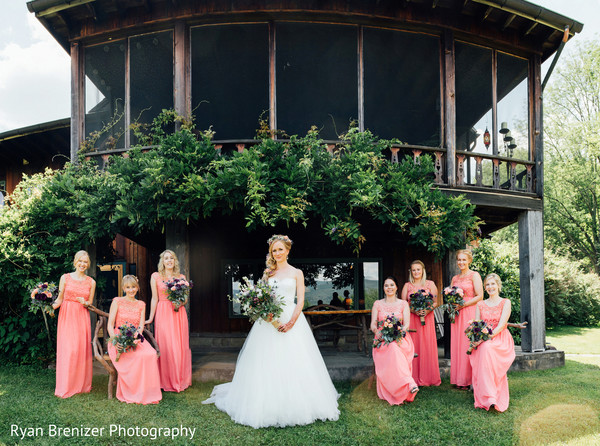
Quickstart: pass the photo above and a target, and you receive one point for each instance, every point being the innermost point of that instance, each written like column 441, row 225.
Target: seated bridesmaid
column 138, row 381
column 492, row 358
column 426, row 368
column 393, row 362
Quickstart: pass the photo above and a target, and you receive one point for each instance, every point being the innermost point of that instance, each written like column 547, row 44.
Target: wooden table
column 338, row 319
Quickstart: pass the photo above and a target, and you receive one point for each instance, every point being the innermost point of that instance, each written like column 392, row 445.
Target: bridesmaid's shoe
column 415, row 389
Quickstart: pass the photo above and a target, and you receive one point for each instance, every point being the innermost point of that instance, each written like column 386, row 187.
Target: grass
column 556, row 407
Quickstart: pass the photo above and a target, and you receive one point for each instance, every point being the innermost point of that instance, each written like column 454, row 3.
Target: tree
column 572, row 147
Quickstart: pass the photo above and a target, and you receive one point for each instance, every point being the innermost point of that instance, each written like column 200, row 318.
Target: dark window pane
column 151, row 58
column 316, row 78
column 105, row 93
column 230, row 78
column 513, row 105
column 402, row 86
column 473, row 97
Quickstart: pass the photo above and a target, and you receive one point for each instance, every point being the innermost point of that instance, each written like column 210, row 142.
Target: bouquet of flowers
column 179, row 291
column 453, row 297
column 259, row 301
column 390, row 330
column 127, row 339
column 42, row 298
column 477, row 331
column 421, row 300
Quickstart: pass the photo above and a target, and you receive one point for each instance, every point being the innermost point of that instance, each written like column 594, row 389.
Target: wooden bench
column 100, row 348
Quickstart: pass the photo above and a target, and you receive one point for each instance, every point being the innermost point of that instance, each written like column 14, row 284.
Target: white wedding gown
column 280, row 378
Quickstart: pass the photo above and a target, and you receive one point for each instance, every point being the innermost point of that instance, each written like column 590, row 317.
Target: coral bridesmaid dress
column 426, row 368
column 74, row 340
column 460, row 366
column 173, row 337
column 138, row 381
column 393, row 362
column 491, row 361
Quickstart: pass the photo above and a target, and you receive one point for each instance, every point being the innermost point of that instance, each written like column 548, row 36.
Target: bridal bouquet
column 179, row 291
column 453, row 297
column 127, row 339
column 477, row 331
column 421, row 300
column 390, row 330
column 259, row 301
column 42, row 298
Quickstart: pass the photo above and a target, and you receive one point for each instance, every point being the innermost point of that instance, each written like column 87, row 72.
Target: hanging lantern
column 486, row 138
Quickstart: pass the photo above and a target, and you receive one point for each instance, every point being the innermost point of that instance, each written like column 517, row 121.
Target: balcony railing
column 473, row 170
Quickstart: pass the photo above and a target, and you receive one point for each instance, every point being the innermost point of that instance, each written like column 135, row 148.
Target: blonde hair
column 496, row 278
column 466, row 252
column 128, row 280
column 161, row 263
column 270, row 262
column 79, row 255
column 410, row 276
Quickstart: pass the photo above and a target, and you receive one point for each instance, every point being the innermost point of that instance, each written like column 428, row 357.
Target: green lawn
column 559, row 405
column 575, row 340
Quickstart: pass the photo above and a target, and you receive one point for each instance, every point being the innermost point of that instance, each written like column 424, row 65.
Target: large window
column 325, row 280
column 105, row 94
column 230, row 78
column 151, row 60
column 317, row 81
column 402, row 86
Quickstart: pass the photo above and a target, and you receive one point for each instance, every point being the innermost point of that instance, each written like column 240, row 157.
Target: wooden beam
column 434, row 4
column 449, row 107
column 536, row 123
column 487, row 13
column 531, row 28
column 77, row 99
column 361, row 81
column 531, row 267
column 508, row 21
column 272, row 78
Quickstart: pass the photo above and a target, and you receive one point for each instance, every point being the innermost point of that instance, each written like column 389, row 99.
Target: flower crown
column 282, row 238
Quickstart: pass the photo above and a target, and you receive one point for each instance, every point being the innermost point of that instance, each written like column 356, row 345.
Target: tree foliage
column 572, row 148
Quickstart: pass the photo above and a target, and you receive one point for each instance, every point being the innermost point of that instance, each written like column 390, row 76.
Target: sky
column 35, row 70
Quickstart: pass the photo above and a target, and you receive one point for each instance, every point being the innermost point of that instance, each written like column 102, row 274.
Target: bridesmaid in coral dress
column 470, row 282
column 73, row 340
column 138, row 380
column 492, row 358
column 171, row 328
column 393, row 362
column 426, row 368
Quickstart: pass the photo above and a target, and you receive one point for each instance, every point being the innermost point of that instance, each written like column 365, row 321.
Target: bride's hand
column 285, row 327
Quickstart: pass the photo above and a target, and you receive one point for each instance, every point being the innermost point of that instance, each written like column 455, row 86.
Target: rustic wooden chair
column 100, row 348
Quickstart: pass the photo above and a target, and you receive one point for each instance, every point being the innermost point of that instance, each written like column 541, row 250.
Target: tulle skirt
column 280, row 380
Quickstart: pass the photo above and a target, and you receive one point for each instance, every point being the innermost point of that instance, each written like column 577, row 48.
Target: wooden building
column 458, row 80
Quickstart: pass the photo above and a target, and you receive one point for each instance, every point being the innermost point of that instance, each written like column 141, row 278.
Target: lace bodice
column 161, row 286
column 286, row 289
column 385, row 309
column 128, row 311
column 491, row 315
column 77, row 288
column 466, row 283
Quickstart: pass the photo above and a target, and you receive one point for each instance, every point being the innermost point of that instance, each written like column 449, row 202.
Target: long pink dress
column 426, row 367
column 74, row 340
column 173, row 337
column 138, row 380
column 460, row 366
column 491, row 361
column 393, row 362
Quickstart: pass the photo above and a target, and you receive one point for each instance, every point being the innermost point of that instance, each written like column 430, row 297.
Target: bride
column 280, row 378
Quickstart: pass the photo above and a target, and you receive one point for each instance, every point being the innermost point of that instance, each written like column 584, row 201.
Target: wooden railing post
column 478, row 171
column 460, row 171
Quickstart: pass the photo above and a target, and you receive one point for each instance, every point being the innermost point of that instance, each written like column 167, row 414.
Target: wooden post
column 449, row 107
column 77, row 99
column 181, row 98
column 537, row 123
column 531, row 262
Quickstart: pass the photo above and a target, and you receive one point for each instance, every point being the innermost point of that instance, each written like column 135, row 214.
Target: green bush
column 572, row 295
